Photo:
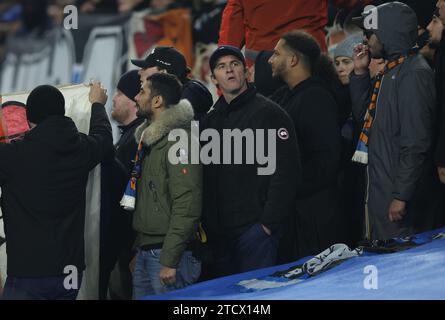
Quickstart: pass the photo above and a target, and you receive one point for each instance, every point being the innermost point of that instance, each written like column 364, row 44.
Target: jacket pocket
column 158, row 219
column 159, row 199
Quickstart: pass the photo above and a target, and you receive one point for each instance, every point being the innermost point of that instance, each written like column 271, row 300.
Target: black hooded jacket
column 43, row 179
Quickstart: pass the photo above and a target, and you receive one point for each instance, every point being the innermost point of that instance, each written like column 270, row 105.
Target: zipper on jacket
column 367, row 226
column 152, row 187
column 367, row 221
column 160, row 206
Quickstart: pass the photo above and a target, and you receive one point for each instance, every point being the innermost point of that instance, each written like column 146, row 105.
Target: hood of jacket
column 198, row 95
column 175, row 117
column 396, row 28
column 59, row 133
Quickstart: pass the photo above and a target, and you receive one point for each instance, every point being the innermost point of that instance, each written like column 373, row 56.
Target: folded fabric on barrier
column 417, row 272
column 399, row 244
column 332, row 257
column 78, row 107
column 324, row 261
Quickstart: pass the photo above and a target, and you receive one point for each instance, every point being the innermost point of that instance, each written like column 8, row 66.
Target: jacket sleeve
column 360, row 88
column 440, row 147
column 440, row 73
column 185, row 189
column 416, row 107
column 319, row 134
column 281, row 192
column 100, row 139
column 232, row 30
column 7, row 157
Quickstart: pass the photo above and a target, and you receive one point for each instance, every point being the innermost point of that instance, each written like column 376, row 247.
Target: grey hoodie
column 400, row 142
column 396, row 28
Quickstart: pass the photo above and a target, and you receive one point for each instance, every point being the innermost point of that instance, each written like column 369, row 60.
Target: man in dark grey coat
column 403, row 194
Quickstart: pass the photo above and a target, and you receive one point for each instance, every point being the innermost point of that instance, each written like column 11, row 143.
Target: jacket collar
column 309, row 82
column 238, row 102
column 58, row 132
column 303, row 85
column 134, row 123
column 178, row 116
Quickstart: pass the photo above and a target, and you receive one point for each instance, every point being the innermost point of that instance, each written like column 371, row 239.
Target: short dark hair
column 304, row 45
column 167, row 86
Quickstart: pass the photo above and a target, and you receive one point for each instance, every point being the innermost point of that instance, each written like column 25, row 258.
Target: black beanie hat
column 44, row 101
column 130, row 84
column 199, row 97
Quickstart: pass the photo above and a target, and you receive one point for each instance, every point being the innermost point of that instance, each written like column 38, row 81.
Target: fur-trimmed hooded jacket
column 168, row 205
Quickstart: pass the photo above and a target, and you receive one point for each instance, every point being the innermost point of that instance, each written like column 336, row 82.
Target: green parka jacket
column 169, row 196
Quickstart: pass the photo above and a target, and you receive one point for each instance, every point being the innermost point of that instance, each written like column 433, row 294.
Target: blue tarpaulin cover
column 416, row 273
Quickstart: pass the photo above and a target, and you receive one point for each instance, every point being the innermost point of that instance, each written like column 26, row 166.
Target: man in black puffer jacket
column 244, row 212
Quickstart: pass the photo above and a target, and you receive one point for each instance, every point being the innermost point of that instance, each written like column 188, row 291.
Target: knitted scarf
column 361, row 152
column 128, row 201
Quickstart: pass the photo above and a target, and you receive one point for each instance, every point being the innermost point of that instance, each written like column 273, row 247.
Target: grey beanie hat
column 346, row 47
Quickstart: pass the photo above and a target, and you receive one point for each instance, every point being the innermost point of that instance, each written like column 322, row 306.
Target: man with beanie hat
column 170, row 60
column 43, row 179
column 44, row 101
column 124, row 112
column 115, row 175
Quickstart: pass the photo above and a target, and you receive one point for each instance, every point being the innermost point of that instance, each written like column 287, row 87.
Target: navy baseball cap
column 225, row 51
